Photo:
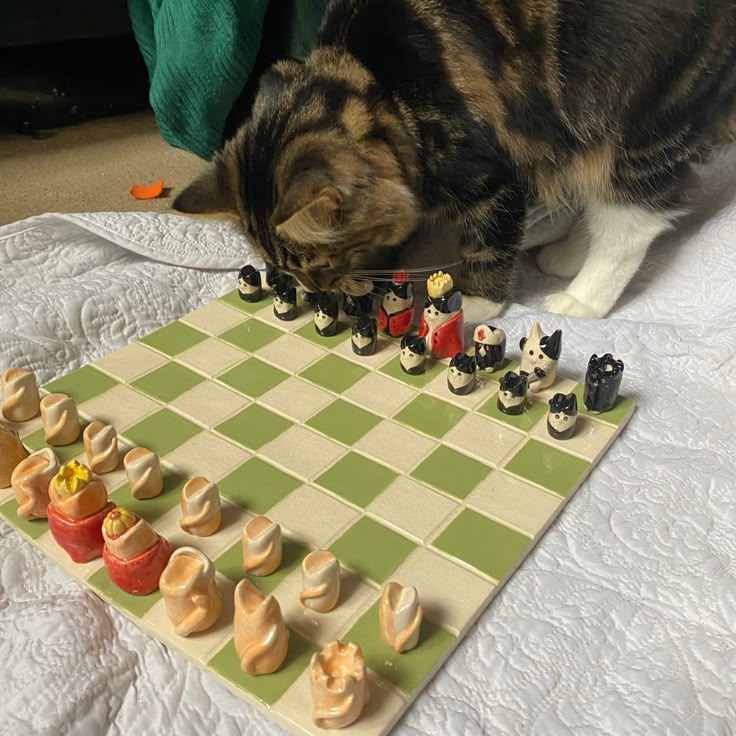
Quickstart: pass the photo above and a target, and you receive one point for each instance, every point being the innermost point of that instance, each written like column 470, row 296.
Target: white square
column 207, row 455
column 82, row 570
column 485, row 439
column 396, row 446
column 303, row 452
column 380, row 394
column 211, row 357
column 484, row 389
column 385, row 350
column 130, row 362
column 297, row 399
column 210, row 403
column 121, row 407
column 560, row 386
column 291, row 353
column 214, row 318
column 590, row 440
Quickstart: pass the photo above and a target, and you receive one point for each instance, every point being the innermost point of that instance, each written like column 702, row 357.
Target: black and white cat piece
column 490, row 347
column 602, row 382
column 413, row 355
column 562, row 416
column 326, row 312
column 284, row 300
column 511, row 397
column 249, row 284
column 365, row 335
column 461, row 374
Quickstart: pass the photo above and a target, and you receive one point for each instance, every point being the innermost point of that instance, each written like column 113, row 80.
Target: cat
column 417, row 113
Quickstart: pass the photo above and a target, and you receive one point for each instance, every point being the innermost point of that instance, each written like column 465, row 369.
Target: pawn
column 143, row 470
column 413, row 356
column 249, row 284
column 21, row 400
column 461, row 374
column 365, row 336
column 261, row 546
column 320, row 581
column 512, row 394
column 490, row 347
column 201, row 514
column 310, row 297
column 30, row 481
column 562, row 416
column 358, row 306
column 273, row 276
column 284, row 300
column 326, row 316
column 101, row 446
column 12, row 452
column 400, row 617
column 60, row 419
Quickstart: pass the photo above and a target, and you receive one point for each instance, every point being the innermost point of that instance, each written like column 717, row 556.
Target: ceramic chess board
column 398, row 477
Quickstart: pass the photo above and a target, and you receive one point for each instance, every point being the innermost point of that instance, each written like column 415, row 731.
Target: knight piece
column 12, row 452
column 284, row 300
column 442, row 318
column 461, row 374
column 320, row 581
column 358, row 306
column 143, row 470
column 602, row 382
column 490, row 347
column 365, row 336
column 511, row 397
column 539, row 356
column 101, row 446
column 400, row 617
column 60, row 419
column 562, row 416
column 413, row 355
column 396, row 312
column 261, row 546
column 30, row 481
column 249, row 284
column 201, row 512
column 21, row 400
column 326, row 312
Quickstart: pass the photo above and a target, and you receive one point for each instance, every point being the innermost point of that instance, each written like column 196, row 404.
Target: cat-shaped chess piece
column 461, row 374
column 539, row 356
column 442, row 318
column 396, row 312
column 365, row 336
column 249, row 284
column 413, row 356
column 358, row 306
column 273, row 276
column 310, row 297
column 284, row 300
column 490, row 347
column 562, row 416
column 512, row 394
column 602, row 382
column 326, row 313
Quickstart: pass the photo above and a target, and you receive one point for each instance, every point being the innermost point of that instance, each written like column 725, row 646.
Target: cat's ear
column 308, row 211
column 211, row 191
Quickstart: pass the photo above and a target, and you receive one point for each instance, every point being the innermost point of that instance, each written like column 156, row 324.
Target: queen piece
column 442, row 319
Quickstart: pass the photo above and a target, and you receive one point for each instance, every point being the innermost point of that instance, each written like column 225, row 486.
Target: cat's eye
column 557, row 416
column 564, row 419
column 531, row 352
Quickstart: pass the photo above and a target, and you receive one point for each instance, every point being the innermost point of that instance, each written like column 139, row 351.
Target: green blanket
column 200, row 53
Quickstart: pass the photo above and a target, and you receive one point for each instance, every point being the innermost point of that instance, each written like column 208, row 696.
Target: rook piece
column 461, row 374
column 21, row 401
column 320, row 581
column 60, row 419
column 358, row 306
column 201, row 514
column 261, row 637
column 365, row 336
column 512, row 394
column 602, row 382
column 249, row 284
column 539, row 356
column 490, row 347
column 413, row 356
column 326, row 315
column 261, row 546
column 400, row 617
column 30, row 481
column 339, row 685
column 442, row 318
column 101, row 446
column 143, row 470
column 12, row 452
column 284, row 300
column 189, row 590
column 562, row 416
column 396, row 312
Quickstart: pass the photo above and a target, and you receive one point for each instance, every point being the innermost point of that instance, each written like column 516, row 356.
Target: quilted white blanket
column 623, row 620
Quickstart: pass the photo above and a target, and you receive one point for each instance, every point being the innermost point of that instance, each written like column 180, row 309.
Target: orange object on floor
column 147, row 191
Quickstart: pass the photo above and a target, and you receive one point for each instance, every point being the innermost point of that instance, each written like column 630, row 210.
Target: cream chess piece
column 21, row 400
column 201, row 514
column 143, row 470
column 261, row 546
column 261, row 636
column 189, row 589
column 60, row 419
column 101, row 446
column 30, row 481
column 12, row 452
column 320, row 581
column 400, row 617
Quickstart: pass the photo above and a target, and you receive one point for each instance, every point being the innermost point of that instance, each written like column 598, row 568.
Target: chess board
column 399, row 478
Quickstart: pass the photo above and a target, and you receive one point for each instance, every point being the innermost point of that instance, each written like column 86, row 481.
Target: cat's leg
column 565, row 258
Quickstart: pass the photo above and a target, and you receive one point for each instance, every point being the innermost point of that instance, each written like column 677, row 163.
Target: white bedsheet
column 622, row 621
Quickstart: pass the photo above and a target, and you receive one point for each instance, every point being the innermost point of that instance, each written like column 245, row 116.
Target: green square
column 507, row 365
column 357, row 479
column 162, row 432
column 535, row 410
column 393, row 369
column 407, row 670
column 36, row 441
column 371, row 549
column 620, row 411
column 267, row 688
column 548, row 467
column 257, row 486
column 233, row 299
column 167, row 382
column 251, row 335
column 308, row 332
column 33, row 528
column 253, row 377
column 82, row 385
column 334, row 373
column 431, row 416
column 138, row 605
column 152, row 509
column 344, row 422
column 254, row 427
column 451, row 471
column 487, row 545
column 174, row 338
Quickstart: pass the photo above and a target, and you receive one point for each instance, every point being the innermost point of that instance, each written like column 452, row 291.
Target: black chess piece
column 326, row 312
column 249, row 284
column 512, row 394
column 365, row 335
column 284, row 300
column 358, row 306
column 602, row 382
column 461, row 374
column 413, row 356
column 562, row 416
column 490, row 347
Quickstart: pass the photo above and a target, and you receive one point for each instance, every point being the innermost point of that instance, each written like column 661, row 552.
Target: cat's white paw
column 556, row 260
column 479, row 309
column 563, row 303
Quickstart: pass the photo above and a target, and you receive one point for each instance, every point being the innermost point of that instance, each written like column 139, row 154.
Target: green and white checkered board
column 398, row 477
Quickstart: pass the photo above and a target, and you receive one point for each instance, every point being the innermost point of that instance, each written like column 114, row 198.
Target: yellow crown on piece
column 118, row 521
column 71, row 478
column 439, row 284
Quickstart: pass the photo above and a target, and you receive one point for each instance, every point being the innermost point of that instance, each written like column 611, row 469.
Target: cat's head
column 513, row 385
column 320, row 175
column 326, row 306
column 365, row 327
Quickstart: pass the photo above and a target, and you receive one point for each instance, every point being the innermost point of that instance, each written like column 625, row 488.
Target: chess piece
column 358, row 306
column 273, row 276
column 77, row 507
column 339, row 680
column 461, row 374
column 539, row 356
column 284, row 300
column 12, row 452
column 396, row 312
column 413, row 355
column 21, row 400
column 143, row 470
column 101, row 446
column 189, row 589
column 261, row 636
column 326, row 315
column 490, row 347
column 201, row 513
column 511, row 397
column 134, row 555
column 365, row 336
column 602, row 382
column 60, row 419
column 261, row 546
column 562, row 416
column 442, row 319
column 400, row 617
column 310, row 297
column 249, row 284
column 30, row 481
column 320, row 581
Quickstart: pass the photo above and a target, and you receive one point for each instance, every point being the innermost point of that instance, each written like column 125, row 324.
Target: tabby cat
column 416, row 113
